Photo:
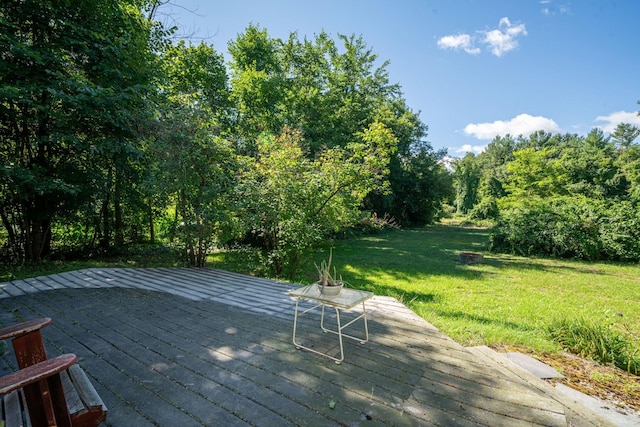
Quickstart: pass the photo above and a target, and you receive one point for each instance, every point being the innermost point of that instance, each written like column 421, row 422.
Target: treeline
column 560, row 195
column 112, row 133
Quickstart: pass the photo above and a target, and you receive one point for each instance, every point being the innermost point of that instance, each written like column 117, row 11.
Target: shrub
column 525, row 230
column 568, row 227
column 486, row 209
column 576, row 234
column 620, row 233
column 375, row 224
column 600, row 343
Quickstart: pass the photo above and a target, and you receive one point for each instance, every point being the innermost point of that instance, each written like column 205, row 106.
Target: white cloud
column 505, row 37
column 459, row 41
column 468, row 148
column 499, row 41
column 550, row 10
column 614, row 119
column 523, row 124
column 447, row 162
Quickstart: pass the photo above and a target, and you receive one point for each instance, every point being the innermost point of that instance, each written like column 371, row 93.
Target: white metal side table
column 347, row 299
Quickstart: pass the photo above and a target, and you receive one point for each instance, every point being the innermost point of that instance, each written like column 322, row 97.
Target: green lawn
column 505, row 300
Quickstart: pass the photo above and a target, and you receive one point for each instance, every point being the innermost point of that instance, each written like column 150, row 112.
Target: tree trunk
column 202, row 246
column 106, row 227
column 117, row 206
column 37, row 242
column 152, row 228
column 14, row 243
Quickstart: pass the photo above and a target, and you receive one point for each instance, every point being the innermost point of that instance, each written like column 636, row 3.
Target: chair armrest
column 24, row 328
column 35, row 373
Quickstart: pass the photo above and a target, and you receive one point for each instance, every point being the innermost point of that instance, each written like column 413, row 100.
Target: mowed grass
column 506, row 300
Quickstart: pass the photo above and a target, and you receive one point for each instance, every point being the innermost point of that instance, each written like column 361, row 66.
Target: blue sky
column 474, row 69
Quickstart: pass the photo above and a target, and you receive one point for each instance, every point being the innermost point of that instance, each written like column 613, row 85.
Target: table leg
column 338, row 361
column 362, row 316
column 366, row 326
column 300, row 346
column 338, row 331
column 295, row 324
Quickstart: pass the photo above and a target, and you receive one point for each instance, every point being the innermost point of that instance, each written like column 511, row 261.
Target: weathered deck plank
column 207, row 347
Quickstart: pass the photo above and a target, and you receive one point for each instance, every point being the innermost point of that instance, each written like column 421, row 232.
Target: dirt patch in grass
column 607, row 383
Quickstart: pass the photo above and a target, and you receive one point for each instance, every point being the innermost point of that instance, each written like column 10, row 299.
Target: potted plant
column 329, row 283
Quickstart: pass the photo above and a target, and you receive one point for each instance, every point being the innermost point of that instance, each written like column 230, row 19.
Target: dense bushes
column 620, row 232
column 568, row 195
column 569, row 227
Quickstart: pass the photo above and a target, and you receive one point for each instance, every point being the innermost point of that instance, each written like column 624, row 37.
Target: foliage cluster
column 73, row 83
column 570, row 227
column 114, row 134
column 561, row 195
column 374, row 224
column 598, row 342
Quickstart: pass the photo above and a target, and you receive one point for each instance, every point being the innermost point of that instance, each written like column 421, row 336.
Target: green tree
column 194, row 164
column 331, row 91
column 72, row 78
column 419, row 183
column 257, row 83
column 589, row 165
column 336, row 90
column 624, row 135
column 493, row 170
column 628, row 163
column 571, row 196
column 534, row 173
column 466, row 180
column 290, row 202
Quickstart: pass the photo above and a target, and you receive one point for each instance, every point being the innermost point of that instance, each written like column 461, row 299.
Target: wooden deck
column 193, row 347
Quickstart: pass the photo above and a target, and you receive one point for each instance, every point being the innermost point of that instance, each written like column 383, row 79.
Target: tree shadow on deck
column 160, row 359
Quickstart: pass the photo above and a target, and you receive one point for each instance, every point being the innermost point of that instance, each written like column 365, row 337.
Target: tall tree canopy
column 566, row 195
column 331, row 91
column 193, row 165
column 108, row 130
column 73, row 77
column 291, row 202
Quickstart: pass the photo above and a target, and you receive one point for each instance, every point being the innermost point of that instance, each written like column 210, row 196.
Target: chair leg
column 46, row 403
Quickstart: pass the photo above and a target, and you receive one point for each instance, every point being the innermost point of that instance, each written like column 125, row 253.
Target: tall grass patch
column 598, row 342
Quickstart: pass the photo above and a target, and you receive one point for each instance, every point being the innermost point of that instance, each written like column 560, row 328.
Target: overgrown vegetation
column 568, row 196
column 570, row 227
column 598, row 342
column 112, row 135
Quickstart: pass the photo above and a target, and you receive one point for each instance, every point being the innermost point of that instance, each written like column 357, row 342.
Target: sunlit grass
column 506, row 300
